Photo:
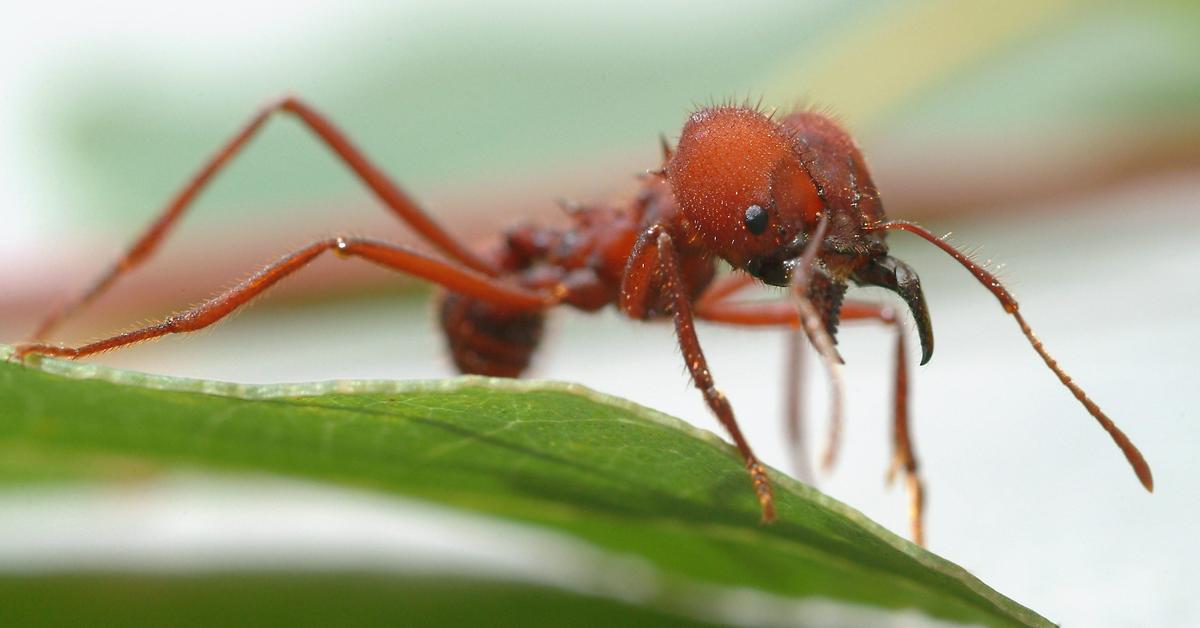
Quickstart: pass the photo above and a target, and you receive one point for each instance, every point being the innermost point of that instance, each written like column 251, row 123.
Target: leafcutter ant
column 787, row 201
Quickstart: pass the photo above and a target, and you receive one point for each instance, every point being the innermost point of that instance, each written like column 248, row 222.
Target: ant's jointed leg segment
column 384, row 188
column 455, row 278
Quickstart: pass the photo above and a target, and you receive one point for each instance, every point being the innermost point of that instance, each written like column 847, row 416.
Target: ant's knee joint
column 287, row 101
column 341, row 247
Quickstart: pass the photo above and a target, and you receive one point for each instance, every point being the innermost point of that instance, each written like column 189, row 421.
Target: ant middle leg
column 400, row 258
column 384, row 188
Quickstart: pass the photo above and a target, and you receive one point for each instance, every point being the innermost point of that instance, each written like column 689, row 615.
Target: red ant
column 789, row 202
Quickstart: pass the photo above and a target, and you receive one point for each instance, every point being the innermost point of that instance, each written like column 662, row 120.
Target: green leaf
column 623, row 478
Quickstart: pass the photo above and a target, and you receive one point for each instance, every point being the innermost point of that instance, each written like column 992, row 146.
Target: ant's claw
column 20, row 353
column 24, row 352
column 890, row 273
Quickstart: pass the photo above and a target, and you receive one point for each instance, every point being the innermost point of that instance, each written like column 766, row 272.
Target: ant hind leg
column 452, row 277
column 156, row 232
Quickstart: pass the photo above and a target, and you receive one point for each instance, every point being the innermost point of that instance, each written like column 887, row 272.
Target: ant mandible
column 786, row 201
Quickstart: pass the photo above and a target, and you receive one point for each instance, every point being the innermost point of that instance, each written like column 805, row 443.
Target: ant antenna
column 819, row 336
column 1140, row 467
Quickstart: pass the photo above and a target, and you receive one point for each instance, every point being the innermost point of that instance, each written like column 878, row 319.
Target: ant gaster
column 788, row 201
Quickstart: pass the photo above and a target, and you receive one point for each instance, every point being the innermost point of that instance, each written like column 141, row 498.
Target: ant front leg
column 454, row 278
column 723, row 309
column 716, row 304
column 384, row 188
column 653, row 256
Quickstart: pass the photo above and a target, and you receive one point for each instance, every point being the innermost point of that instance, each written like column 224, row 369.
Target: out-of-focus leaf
column 311, row 599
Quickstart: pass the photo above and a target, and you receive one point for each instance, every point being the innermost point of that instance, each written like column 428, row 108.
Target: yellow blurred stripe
column 898, row 53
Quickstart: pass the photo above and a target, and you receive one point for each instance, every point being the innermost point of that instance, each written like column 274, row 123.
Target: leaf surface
column 620, row 477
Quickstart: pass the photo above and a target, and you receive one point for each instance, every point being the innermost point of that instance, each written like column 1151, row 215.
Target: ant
column 787, row 201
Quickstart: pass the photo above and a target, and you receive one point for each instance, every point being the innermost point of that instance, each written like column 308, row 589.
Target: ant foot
column 762, row 490
column 23, row 351
column 916, row 508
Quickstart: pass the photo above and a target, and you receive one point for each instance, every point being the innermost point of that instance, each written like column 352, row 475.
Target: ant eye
column 756, row 219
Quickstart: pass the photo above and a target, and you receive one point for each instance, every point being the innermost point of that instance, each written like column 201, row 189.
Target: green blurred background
column 1064, row 136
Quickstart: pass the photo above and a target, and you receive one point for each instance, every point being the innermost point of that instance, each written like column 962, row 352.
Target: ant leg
column 384, row 188
column 724, row 287
column 904, row 458
column 715, row 305
column 784, row 314
column 794, row 430
column 655, row 249
column 773, row 313
column 814, row 326
column 452, row 277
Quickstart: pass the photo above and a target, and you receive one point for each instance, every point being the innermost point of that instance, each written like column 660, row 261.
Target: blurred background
column 1061, row 138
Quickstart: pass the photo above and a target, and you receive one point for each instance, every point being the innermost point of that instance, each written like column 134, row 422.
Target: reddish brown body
column 757, row 166
column 787, row 201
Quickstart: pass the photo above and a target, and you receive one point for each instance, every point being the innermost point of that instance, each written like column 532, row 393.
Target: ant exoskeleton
column 787, row 201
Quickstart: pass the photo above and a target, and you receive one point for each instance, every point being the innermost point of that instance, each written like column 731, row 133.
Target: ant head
column 743, row 192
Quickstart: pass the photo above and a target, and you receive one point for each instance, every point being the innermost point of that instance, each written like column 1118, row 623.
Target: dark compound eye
column 756, row 219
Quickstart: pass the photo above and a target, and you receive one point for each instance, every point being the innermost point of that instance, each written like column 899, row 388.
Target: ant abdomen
column 484, row 340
